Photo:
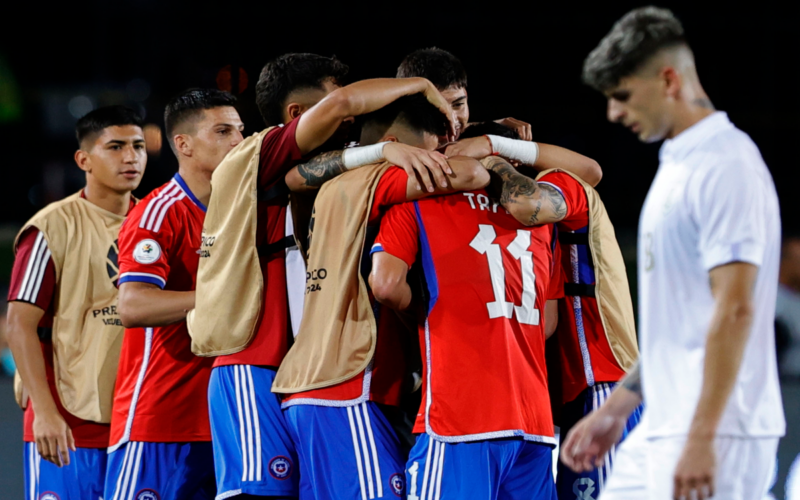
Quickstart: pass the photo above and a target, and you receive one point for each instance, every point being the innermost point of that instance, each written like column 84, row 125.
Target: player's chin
column 127, row 183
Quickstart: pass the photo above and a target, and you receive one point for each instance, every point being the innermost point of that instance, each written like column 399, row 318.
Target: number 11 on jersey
column 484, row 244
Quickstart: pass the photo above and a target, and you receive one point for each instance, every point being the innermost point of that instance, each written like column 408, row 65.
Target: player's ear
column 672, row 81
column 293, row 110
column 82, row 160
column 183, row 144
column 389, row 138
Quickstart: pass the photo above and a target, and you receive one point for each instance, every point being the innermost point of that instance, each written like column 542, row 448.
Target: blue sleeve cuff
column 377, row 247
column 143, row 278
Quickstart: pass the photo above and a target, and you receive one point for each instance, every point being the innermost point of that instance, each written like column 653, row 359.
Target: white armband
column 523, row 151
column 362, row 155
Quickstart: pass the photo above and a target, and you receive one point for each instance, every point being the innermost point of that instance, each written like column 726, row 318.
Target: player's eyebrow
column 459, row 99
column 237, row 127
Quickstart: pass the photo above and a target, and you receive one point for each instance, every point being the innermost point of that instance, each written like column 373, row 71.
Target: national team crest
column 147, row 494
column 49, row 495
column 280, row 467
column 398, row 484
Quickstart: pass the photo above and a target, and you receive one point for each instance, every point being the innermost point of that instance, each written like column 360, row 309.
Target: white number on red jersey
column 483, row 243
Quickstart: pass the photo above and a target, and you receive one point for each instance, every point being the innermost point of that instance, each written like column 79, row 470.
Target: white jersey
column 712, row 202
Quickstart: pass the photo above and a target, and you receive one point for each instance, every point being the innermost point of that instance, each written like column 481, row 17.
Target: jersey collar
column 189, row 193
column 679, row 147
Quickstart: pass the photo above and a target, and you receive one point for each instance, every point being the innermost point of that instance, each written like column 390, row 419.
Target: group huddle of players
column 413, row 278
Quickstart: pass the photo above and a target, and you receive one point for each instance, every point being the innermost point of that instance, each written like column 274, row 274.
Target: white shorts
column 643, row 468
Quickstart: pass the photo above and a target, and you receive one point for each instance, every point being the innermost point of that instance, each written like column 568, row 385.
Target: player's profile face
column 637, row 103
column 219, row 131
column 457, row 98
column 117, row 157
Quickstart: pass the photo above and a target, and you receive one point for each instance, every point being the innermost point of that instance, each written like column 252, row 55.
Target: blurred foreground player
column 63, row 326
column 485, row 425
column 160, row 433
column 241, row 307
column 709, row 245
column 347, row 366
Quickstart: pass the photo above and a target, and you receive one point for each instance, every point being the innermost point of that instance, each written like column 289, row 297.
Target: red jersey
column 33, row 280
column 586, row 357
column 279, row 154
column 487, row 275
column 383, row 378
column 161, row 390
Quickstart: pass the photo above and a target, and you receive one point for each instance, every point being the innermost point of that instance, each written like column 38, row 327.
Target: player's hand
column 522, row 128
column 694, row 474
column 590, row 439
column 430, row 167
column 474, row 147
column 437, row 99
column 53, row 437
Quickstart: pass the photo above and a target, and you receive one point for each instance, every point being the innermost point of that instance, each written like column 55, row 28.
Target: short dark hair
column 289, row 73
column 413, row 111
column 189, row 104
column 488, row 128
column 636, row 37
column 94, row 122
column 443, row 69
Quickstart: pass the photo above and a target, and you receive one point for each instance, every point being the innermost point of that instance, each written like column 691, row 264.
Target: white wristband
column 523, row 151
column 362, row 155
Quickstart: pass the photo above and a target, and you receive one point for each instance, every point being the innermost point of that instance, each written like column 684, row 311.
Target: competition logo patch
column 49, row 495
column 147, row 494
column 280, row 467
column 398, row 484
column 146, row 252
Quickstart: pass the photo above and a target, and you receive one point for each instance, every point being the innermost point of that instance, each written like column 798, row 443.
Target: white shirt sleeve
column 726, row 202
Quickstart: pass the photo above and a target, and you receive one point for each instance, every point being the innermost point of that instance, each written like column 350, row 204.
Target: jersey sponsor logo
column 583, row 493
column 49, row 495
column 280, row 467
column 315, row 275
column 398, row 484
column 112, row 262
column 147, row 494
column 146, row 252
column 206, row 242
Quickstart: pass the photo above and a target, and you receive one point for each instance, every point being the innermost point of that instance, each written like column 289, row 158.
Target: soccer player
column 63, row 326
column 488, row 278
column 346, row 446
column 709, row 245
column 160, row 433
column 303, row 103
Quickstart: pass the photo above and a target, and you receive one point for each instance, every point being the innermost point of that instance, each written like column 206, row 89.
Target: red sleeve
column 399, row 233
column 577, row 205
column 144, row 253
column 279, row 153
column 556, row 289
column 391, row 190
column 33, row 277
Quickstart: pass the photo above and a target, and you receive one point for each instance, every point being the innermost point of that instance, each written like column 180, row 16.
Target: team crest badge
column 147, row 494
column 146, row 252
column 398, row 484
column 49, row 495
column 280, row 467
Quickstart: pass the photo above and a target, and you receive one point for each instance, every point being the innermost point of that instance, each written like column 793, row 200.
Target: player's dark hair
column 413, row 111
column 633, row 40
column 189, row 105
column 94, row 122
column 290, row 73
column 442, row 68
column 488, row 128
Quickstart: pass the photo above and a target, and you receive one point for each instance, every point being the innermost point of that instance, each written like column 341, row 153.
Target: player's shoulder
column 162, row 204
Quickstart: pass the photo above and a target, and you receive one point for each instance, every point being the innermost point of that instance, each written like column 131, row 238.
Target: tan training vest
column 612, row 292
column 338, row 333
column 230, row 286
column 87, row 331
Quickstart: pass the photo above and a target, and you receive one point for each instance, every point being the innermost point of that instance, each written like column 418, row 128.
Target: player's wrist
column 363, row 155
column 523, row 151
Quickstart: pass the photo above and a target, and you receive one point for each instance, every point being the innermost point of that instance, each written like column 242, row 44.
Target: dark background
column 523, row 59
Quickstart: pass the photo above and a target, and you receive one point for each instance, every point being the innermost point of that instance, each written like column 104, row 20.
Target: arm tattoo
column 322, row 168
column 511, row 187
column 633, row 380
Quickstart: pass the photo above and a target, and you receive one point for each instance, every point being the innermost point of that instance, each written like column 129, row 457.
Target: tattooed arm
column 311, row 175
column 529, row 202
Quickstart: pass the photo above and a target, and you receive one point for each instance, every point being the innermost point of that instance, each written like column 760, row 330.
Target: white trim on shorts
column 367, row 464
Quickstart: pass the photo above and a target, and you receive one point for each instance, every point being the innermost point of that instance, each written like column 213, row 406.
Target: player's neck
column 107, row 199
column 199, row 182
column 694, row 106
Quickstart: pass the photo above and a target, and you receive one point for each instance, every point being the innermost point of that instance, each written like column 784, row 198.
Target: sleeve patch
column 147, row 251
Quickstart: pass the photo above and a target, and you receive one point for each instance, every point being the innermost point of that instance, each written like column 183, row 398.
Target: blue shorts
column 160, row 471
column 82, row 479
column 588, row 485
column 497, row 469
column 253, row 452
column 346, row 453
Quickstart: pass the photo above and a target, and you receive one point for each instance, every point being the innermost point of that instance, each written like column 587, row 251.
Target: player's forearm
column 310, row 176
column 626, row 397
column 467, row 175
column 725, row 344
column 556, row 157
column 366, row 96
column 148, row 307
column 526, row 200
column 387, row 280
column 23, row 341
